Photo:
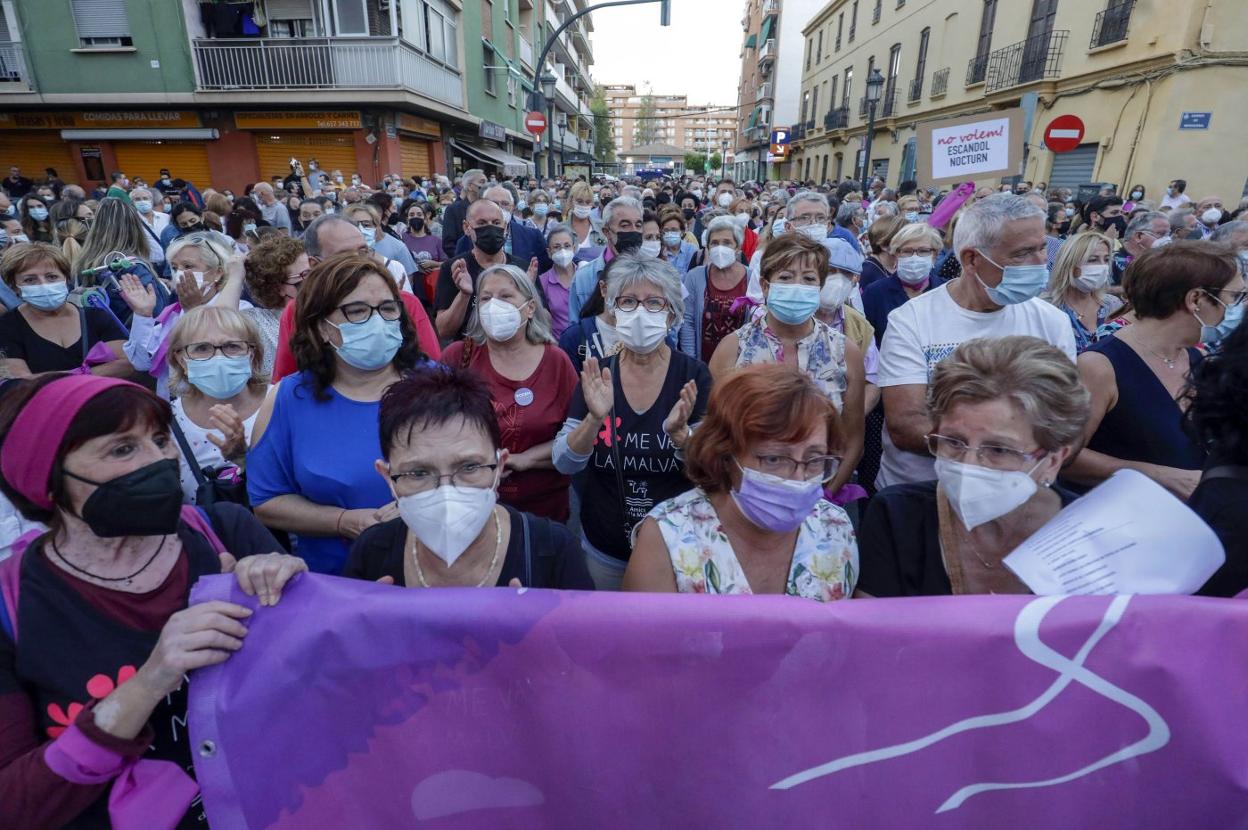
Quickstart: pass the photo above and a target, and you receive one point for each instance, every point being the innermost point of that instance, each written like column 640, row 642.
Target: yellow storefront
column 33, row 151
column 144, row 159
column 416, row 142
column 281, row 136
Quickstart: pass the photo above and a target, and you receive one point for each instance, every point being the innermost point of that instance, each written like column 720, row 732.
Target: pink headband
column 31, row 445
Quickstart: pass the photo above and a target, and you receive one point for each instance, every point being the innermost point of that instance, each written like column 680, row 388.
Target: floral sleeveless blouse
column 825, row 560
column 820, row 354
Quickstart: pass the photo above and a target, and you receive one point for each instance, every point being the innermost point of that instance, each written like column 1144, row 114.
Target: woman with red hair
column 757, row 522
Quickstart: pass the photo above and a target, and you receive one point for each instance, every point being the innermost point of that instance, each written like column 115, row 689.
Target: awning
column 768, row 25
column 140, row 135
column 509, row 164
column 753, row 118
column 751, row 41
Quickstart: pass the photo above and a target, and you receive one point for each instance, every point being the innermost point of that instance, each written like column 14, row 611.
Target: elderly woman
column 541, row 220
column 630, row 418
column 443, row 459
column 274, row 270
column 715, row 304
column 366, row 217
column 881, row 263
column 587, row 229
column 46, row 333
column 309, row 471
column 510, row 346
column 555, row 285
column 207, row 273
column 117, row 231
column 1183, row 293
column 914, row 248
column 757, row 521
column 216, row 374
column 795, row 268
column 1077, row 285
column 1006, row 413
column 92, row 683
column 676, row 249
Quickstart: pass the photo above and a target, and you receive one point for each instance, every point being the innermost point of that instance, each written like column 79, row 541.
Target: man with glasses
column 1142, row 233
column 621, row 224
column 328, row 237
column 1001, row 247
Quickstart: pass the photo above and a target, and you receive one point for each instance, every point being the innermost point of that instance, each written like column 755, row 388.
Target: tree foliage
column 715, row 162
column 604, row 129
column 645, row 125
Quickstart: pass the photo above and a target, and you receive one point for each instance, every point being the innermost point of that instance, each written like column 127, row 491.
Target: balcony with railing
column 14, row 74
column 976, row 69
column 771, row 7
column 836, row 119
column 1037, row 58
column 323, row 63
column 940, row 82
column 1111, row 24
column 799, row 131
column 765, row 92
column 886, row 107
column 916, row 90
column 767, row 52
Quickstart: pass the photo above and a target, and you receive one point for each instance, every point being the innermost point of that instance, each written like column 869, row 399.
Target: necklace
column 498, row 544
column 125, row 579
column 1169, row 362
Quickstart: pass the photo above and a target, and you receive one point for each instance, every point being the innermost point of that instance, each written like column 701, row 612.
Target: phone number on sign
column 325, row 125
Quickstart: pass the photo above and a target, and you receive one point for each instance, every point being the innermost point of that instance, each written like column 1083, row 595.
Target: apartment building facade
column 1153, row 84
column 692, row 128
column 227, row 93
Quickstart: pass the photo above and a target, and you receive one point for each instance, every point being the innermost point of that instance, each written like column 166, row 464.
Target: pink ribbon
column 147, row 794
column 847, row 493
column 949, row 205
column 742, row 302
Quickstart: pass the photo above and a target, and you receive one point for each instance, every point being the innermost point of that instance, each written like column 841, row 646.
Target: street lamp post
column 547, row 83
column 723, row 157
column 875, row 83
column 563, row 127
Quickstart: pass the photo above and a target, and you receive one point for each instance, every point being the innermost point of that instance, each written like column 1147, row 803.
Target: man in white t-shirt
column 1000, row 244
column 1175, row 197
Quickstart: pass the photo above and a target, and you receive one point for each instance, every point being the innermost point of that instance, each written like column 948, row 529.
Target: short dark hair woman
column 97, row 637
column 442, row 457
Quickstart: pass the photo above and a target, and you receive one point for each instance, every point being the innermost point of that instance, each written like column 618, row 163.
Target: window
column 488, row 59
column 979, row 65
column 832, row 97
column 840, row 29
column 809, row 46
column 920, row 68
column 847, row 87
column 819, row 51
column 487, row 19
column 877, row 11
column 894, row 68
column 814, row 104
column 853, row 21
column 805, row 104
column 102, row 23
column 350, row 18
column 440, row 20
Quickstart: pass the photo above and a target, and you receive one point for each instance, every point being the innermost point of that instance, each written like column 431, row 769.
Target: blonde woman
column 207, row 272
column 1078, row 285
column 216, row 371
column 116, row 233
column 576, row 215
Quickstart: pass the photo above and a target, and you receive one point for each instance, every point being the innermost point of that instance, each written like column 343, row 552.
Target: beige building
column 1160, row 87
column 697, row 128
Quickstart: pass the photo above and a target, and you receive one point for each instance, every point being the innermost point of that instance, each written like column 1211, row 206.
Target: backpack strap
column 528, row 552
column 197, row 519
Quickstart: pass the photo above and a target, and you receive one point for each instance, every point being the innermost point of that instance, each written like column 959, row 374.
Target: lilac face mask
column 773, row 503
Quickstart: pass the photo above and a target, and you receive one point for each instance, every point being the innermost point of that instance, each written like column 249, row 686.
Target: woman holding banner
column 92, row 682
column 757, row 521
column 1006, row 413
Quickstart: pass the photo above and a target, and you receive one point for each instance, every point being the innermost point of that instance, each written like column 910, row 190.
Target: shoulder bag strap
column 82, row 322
column 1226, row 471
column 197, row 519
column 187, row 453
column 528, row 552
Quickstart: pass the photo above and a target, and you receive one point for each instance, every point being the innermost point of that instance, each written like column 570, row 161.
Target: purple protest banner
column 366, row 706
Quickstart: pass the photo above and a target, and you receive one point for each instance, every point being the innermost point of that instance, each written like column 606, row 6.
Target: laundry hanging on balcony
column 229, row 18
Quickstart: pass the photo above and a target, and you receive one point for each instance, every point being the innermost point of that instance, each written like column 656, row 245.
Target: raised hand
column 677, row 422
column 141, row 298
column 597, row 388
column 533, row 270
column 233, row 444
column 463, row 280
column 190, row 294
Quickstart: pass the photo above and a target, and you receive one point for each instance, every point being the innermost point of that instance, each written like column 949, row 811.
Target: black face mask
column 416, row 224
column 489, row 239
column 146, row 502
column 196, row 228
column 1119, row 222
column 689, row 213
column 628, row 242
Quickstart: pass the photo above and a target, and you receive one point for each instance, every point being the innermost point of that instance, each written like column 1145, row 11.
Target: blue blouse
column 323, row 451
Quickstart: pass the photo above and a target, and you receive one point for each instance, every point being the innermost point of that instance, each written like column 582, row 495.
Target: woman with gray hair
column 714, row 307
column 509, row 345
column 630, row 418
column 1006, row 413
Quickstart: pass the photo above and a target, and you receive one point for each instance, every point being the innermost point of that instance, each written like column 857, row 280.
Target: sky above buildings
column 696, row 56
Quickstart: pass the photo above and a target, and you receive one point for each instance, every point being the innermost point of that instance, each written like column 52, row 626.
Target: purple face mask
column 773, row 503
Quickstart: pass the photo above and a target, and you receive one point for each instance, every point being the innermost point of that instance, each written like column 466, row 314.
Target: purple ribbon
column 161, row 354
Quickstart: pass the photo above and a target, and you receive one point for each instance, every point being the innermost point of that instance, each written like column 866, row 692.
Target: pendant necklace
column 498, row 544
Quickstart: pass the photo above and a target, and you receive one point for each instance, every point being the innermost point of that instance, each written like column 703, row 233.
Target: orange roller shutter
column 332, row 150
column 414, row 155
column 185, row 159
column 35, row 151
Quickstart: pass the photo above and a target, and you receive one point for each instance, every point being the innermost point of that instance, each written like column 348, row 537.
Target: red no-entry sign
column 535, row 122
column 1064, row 133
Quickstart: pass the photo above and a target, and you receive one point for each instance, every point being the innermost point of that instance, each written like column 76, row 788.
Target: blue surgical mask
column 371, row 344
column 219, row 377
column 671, row 238
column 541, row 209
column 370, row 236
column 38, row 213
column 1210, row 335
column 249, row 227
column 792, row 303
column 143, row 206
column 46, row 297
column 1019, row 283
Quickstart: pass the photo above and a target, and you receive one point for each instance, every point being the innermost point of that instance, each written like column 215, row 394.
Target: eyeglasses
column 469, row 476
column 389, row 310
column 987, row 455
column 206, row 351
column 803, row 221
column 917, row 252
column 298, row 279
column 1237, row 297
column 822, row 467
column 655, row 304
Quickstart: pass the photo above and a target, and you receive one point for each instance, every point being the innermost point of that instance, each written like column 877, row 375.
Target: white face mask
column 563, row 257
column 912, row 270
column 836, row 290
column 506, row 218
column 742, row 219
column 979, row 494
column 1211, row 216
column 651, row 248
column 640, row 330
column 721, row 256
column 816, row 232
column 500, row 319
column 581, row 211
column 778, row 226
column 1092, row 277
column 448, row 519
column 724, row 199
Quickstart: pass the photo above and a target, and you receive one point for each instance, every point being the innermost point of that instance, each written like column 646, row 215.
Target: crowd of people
column 678, row 384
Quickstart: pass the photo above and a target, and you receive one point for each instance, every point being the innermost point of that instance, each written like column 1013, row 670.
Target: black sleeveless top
column 1145, row 424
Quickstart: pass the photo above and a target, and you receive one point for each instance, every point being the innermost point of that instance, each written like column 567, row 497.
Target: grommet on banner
column 207, row 749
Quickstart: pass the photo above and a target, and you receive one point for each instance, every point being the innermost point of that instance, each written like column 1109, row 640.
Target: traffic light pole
column 536, row 102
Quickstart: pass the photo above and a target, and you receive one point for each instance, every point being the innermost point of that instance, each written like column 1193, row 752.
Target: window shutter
column 101, row 18
column 289, row 9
